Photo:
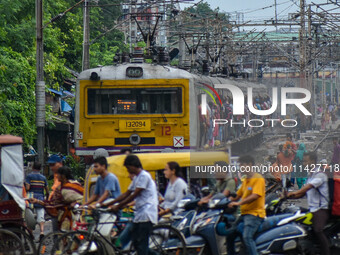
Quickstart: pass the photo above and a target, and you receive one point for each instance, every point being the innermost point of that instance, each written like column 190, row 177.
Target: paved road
column 36, row 232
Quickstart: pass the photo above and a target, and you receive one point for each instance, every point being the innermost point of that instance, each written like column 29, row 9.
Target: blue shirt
column 109, row 183
column 147, row 200
column 37, row 184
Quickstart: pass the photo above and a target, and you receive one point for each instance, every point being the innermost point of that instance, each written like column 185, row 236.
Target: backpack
column 334, row 194
column 335, row 201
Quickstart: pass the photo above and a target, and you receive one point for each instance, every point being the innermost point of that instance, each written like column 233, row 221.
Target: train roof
column 152, row 71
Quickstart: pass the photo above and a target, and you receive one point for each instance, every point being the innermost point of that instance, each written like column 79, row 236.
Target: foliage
column 174, row 62
column 201, row 13
column 62, row 48
column 141, row 44
column 77, row 165
column 103, row 19
column 16, row 93
column 204, row 10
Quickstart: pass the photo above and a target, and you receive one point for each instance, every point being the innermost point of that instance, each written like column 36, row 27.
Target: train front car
column 142, row 106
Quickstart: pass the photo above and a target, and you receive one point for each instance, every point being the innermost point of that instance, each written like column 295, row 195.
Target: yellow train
column 144, row 106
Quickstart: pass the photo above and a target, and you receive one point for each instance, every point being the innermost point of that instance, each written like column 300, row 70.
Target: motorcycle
column 308, row 244
column 184, row 219
column 277, row 234
column 204, row 238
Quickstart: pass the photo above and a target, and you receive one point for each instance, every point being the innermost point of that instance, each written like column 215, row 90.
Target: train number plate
column 131, row 125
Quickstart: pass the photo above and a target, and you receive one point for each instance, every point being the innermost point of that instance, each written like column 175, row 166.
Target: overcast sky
column 258, row 10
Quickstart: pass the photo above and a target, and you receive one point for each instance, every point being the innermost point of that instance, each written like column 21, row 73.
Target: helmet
column 100, row 153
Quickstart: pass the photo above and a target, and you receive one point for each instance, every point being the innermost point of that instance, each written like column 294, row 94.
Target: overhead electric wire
column 266, row 7
column 60, row 15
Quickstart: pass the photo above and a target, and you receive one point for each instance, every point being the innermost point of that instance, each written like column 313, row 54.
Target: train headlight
column 134, row 72
column 134, row 139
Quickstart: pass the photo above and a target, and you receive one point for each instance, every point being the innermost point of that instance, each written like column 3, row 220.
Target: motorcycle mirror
column 233, row 194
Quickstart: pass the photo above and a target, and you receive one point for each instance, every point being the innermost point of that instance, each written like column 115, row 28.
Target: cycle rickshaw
column 12, row 202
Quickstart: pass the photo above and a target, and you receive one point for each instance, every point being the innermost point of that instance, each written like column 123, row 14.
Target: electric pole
column 86, row 36
column 40, row 83
column 310, row 75
column 275, row 15
column 302, row 45
column 302, row 60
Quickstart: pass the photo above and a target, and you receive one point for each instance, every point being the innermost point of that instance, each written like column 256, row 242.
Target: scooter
column 310, row 244
column 184, row 219
column 205, row 224
column 303, row 218
column 276, row 235
column 205, row 239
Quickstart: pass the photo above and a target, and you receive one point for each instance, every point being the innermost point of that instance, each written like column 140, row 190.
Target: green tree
column 103, row 19
column 16, row 92
column 62, row 49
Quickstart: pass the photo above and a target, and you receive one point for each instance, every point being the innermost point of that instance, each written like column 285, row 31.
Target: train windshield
column 135, row 101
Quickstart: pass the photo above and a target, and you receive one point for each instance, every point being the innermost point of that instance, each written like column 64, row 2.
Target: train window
column 135, row 101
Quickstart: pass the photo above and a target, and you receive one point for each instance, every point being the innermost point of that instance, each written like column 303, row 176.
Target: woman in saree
column 301, row 176
column 68, row 194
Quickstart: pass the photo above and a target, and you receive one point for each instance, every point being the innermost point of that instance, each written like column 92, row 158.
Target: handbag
column 30, row 219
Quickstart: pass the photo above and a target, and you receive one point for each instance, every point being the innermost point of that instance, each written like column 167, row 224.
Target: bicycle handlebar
column 78, row 208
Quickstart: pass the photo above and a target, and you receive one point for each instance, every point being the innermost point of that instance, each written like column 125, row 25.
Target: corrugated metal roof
column 67, row 93
column 65, row 107
column 56, row 92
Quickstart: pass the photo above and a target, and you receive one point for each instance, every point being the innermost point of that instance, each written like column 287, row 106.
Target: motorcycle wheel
column 204, row 251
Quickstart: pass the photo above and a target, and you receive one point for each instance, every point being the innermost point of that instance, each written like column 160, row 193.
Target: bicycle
column 164, row 239
column 10, row 243
column 46, row 244
column 23, row 233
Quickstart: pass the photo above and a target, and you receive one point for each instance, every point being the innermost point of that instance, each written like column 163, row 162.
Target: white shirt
column 174, row 193
column 318, row 197
column 147, row 200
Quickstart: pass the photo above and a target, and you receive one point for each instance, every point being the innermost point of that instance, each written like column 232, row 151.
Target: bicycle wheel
column 79, row 243
column 165, row 239
column 10, row 243
column 26, row 239
column 47, row 243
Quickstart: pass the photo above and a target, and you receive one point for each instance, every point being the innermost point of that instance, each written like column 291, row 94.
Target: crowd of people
column 287, row 165
column 66, row 192
column 150, row 206
column 212, row 135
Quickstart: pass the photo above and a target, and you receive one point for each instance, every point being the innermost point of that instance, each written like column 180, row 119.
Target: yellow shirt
column 254, row 185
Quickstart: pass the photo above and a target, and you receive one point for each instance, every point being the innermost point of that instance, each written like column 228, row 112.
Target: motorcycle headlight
column 207, row 221
column 182, row 224
column 196, row 225
column 201, row 223
column 182, row 203
column 198, row 221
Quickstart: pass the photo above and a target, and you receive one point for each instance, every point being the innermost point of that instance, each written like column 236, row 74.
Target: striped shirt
column 37, row 184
